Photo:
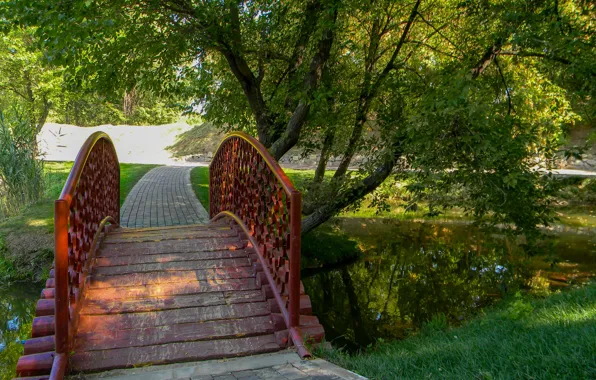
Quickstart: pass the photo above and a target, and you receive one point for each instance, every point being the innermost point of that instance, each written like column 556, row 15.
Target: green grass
column 572, row 216
column 199, row 177
column 522, row 338
column 26, row 241
column 130, row 174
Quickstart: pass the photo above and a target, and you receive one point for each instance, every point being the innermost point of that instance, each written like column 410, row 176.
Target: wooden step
column 163, row 236
column 173, row 333
column 172, row 353
column 172, row 246
column 36, row 364
column 172, row 257
column 172, row 266
column 39, row 345
column 172, row 289
column 169, row 317
column 97, row 306
column 153, row 278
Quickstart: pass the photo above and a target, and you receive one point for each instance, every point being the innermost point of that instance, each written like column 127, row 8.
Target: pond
column 405, row 274
column 17, row 310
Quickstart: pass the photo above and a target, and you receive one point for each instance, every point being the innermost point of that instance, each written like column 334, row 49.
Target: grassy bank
column 26, row 241
column 523, row 337
column 576, row 204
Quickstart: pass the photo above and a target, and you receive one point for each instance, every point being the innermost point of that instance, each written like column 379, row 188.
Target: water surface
column 405, row 274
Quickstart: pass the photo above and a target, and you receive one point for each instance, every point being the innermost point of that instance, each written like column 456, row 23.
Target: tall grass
column 21, row 170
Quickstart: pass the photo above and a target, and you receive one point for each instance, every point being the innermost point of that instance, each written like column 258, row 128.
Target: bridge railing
column 90, row 199
column 247, row 183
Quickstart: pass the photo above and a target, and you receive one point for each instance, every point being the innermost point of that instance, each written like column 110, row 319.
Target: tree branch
column 292, row 132
column 367, row 94
column 539, row 55
column 506, row 87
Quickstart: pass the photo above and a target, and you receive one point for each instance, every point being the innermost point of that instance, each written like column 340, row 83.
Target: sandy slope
column 134, row 144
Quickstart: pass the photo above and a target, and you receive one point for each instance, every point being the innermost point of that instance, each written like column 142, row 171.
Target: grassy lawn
column 522, row 338
column 199, row 177
column 26, row 241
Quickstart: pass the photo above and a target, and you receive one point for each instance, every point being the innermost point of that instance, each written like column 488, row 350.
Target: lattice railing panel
column 246, row 181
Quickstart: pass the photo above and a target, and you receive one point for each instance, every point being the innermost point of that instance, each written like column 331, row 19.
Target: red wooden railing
column 89, row 201
column 247, row 184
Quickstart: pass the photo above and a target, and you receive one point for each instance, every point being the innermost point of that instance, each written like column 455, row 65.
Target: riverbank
column 522, row 337
column 27, row 241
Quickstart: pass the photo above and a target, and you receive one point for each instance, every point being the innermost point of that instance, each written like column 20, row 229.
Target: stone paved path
column 285, row 365
column 163, row 197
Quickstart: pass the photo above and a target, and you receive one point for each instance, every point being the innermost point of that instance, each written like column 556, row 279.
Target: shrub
column 21, row 171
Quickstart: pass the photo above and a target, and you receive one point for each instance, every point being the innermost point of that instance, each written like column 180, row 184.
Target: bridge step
column 186, row 276
column 169, row 317
column 170, row 257
column 173, row 246
column 98, row 306
column 172, row 266
column 177, row 235
column 105, row 339
column 172, row 353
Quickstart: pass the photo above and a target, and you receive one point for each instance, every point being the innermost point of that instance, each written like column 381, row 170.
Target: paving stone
column 224, row 377
column 163, row 197
column 289, row 372
column 243, row 374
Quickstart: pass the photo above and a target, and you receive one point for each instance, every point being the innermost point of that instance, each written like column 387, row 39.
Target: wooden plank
column 172, row 235
column 171, row 353
column 167, row 303
column 123, row 231
column 44, row 307
column 112, row 322
column 153, row 248
column 187, row 332
column 152, row 278
column 39, row 345
column 36, row 364
column 170, row 257
column 172, row 289
column 43, row 326
column 171, row 266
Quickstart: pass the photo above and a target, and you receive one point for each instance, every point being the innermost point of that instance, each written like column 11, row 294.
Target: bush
column 21, row 171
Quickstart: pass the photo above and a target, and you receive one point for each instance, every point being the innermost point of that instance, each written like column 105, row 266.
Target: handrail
column 247, row 183
column 89, row 200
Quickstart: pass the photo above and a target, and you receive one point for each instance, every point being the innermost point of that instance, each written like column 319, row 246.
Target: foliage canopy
column 473, row 95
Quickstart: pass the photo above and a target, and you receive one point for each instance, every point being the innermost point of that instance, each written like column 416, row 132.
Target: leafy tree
column 24, row 79
column 474, row 95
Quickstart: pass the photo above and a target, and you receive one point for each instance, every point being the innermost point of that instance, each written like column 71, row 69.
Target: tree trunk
column 324, row 157
column 44, row 114
column 352, row 194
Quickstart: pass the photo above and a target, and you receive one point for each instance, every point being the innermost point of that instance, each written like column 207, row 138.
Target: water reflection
column 17, row 309
column 410, row 273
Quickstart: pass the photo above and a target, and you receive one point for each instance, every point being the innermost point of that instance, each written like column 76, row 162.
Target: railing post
column 61, row 212
column 295, row 231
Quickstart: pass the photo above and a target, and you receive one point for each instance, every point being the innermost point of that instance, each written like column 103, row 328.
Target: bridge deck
column 163, row 295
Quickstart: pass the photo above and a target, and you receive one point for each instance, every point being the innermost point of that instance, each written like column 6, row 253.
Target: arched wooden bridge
column 120, row 298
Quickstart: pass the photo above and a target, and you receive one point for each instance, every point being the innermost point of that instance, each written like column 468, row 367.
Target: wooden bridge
column 120, row 298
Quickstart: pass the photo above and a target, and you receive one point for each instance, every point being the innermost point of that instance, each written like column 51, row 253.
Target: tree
column 24, row 78
column 466, row 93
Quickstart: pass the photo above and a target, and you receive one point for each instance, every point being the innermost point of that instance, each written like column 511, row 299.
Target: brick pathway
column 163, row 197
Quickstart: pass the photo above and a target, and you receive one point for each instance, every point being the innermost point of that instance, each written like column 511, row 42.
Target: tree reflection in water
column 17, row 309
column 408, row 275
